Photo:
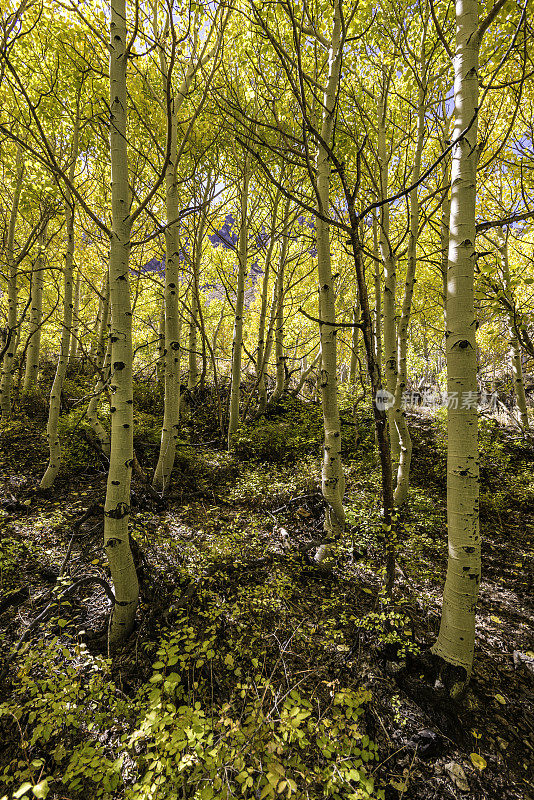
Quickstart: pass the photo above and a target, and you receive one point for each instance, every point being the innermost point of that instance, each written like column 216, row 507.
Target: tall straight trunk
column 405, row 441
column 197, row 263
column 76, row 319
column 279, row 323
column 379, row 411
column 172, row 319
column 102, row 365
column 267, row 351
column 378, row 296
column 237, row 339
column 36, row 313
column 333, row 481
column 192, row 378
column 515, row 350
column 54, row 445
column 260, row 373
column 390, row 282
column 445, row 217
column 455, row 643
column 8, row 363
column 171, row 353
column 160, row 346
column 117, row 504
column 353, row 372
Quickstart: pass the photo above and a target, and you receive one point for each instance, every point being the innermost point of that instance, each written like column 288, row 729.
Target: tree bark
column 237, row 340
column 390, row 283
column 75, row 319
column 54, row 445
column 333, row 481
column 117, row 504
column 8, row 363
column 279, row 321
column 405, row 441
column 36, row 312
column 455, row 643
column 515, row 350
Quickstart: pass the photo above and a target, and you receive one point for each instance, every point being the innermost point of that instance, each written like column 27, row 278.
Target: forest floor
column 297, row 680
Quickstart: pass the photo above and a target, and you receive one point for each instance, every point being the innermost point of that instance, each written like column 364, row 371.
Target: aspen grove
column 266, row 399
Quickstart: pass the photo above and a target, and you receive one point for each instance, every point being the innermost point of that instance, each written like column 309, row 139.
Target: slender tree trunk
column 260, row 371
column 160, row 361
column 405, row 441
column 353, row 372
column 54, row 445
column 455, row 643
column 76, row 319
column 117, row 504
column 379, row 410
column 305, row 373
column 378, row 296
column 515, row 351
column 192, row 378
column 8, row 363
column 445, row 218
column 171, row 372
column 333, row 481
column 237, row 340
column 102, row 364
column 279, row 323
column 197, row 263
column 36, row 313
column 390, row 283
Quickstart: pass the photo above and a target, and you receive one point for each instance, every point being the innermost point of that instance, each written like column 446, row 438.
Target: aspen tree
column 445, row 214
column 8, row 363
column 52, row 436
column 36, row 312
column 172, row 319
column 389, row 261
column 378, row 295
column 279, row 323
column 192, row 374
column 333, row 481
column 102, row 366
column 117, row 504
column 399, row 415
column 515, row 351
column 260, row 361
column 237, row 339
column 456, row 638
column 75, row 319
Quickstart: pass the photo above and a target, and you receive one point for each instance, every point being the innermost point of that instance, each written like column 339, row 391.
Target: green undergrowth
column 241, row 695
column 244, row 680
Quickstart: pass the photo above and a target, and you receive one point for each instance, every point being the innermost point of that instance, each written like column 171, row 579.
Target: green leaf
column 22, row 790
column 478, row 761
column 41, row 789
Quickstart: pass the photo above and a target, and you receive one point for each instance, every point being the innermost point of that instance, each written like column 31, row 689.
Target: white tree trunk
column 455, row 643
column 515, row 350
column 237, row 340
column 36, row 312
column 54, row 445
column 8, row 362
column 389, row 261
column 117, row 504
column 75, row 319
column 103, row 365
column 405, row 442
column 333, row 481
column 279, row 322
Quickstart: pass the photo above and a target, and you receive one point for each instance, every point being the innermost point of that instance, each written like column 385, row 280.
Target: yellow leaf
column 500, row 699
column 478, row 761
column 498, row 620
